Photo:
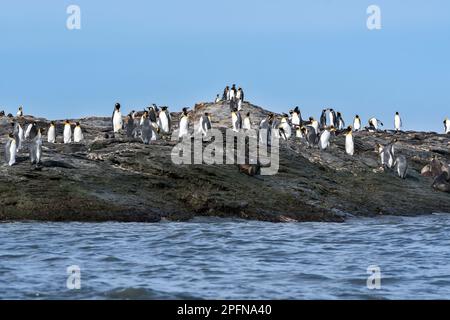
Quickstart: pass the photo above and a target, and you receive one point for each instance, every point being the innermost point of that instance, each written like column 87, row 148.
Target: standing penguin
column 117, row 118
column 339, row 121
column 19, row 135
column 36, row 148
column 401, row 166
column 374, row 123
column 397, row 122
column 236, row 120
column 315, row 124
column 184, row 124
column 67, row 134
column 298, row 132
column 323, row 118
column 349, row 142
column 296, row 117
column 285, row 127
column 204, row 124
column 247, row 124
column 130, row 126
column 233, row 92
column 217, row 100
column 386, row 155
column 226, row 93
column 77, row 133
column 10, row 150
column 332, row 116
column 20, row 112
column 447, row 125
column 357, row 123
column 309, row 132
column 324, row 139
column 146, row 130
column 165, row 120
column 31, row 131
column 51, row 134
column 143, row 117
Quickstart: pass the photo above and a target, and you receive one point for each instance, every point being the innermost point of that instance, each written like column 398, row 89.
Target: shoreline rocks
column 121, row 179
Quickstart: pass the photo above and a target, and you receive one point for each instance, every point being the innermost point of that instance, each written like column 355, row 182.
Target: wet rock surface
column 112, row 177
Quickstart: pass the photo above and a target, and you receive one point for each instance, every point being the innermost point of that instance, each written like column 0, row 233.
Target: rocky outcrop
column 117, row 178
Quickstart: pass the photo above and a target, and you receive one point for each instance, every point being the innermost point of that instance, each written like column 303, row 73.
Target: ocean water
column 228, row 259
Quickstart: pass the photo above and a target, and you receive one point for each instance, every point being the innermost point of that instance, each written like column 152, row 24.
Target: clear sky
column 175, row 52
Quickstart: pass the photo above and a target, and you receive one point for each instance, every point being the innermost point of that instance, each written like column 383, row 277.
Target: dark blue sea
column 227, row 259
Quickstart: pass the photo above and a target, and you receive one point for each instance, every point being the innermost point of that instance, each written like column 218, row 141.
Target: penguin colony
column 155, row 122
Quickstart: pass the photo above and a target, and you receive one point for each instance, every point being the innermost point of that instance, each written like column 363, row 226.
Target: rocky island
column 115, row 178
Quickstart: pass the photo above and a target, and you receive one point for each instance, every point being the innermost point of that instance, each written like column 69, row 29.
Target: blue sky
column 283, row 53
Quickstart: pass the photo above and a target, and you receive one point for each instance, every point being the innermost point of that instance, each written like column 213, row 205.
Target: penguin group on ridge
column 155, row 122
column 31, row 135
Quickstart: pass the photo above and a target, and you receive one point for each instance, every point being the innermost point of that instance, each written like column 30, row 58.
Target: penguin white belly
column 77, row 135
column 357, row 124
column 287, row 129
column 38, row 151
column 27, row 132
column 234, row 121
column 315, row 125
column 324, row 140
column 239, row 105
column 295, row 119
column 67, row 134
column 183, row 127
column 117, row 121
column 331, row 119
column 200, row 126
column 247, row 125
column 447, row 126
column 349, row 145
column 12, row 153
column 374, row 123
column 397, row 123
column 164, row 122
column 51, row 136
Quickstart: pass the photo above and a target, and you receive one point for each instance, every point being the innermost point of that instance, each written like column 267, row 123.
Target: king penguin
column 36, row 148
column 10, row 150
column 31, row 131
column 323, row 118
column 236, row 120
column 324, row 139
column 165, row 120
column 19, row 135
column 204, row 124
column 332, row 116
column 20, row 112
column 374, row 123
column 67, row 134
column 311, row 136
column 247, row 124
column 130, row 126
column 349, row 142
column 296, row 117
column 184, row 124
column 78, row 133
column 357, row 123
column 339, row 121
column 397, row 122
column 447, row 125
column 285, row 127
column 51, row 134
column 117, row 118
column 315, row 124
column 401, row 166
column 146, row 130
